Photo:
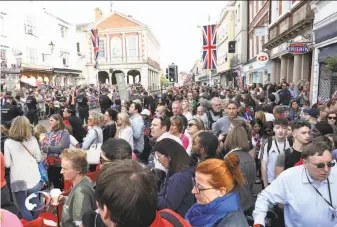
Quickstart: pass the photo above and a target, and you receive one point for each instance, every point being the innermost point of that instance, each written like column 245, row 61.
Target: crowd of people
column 185, row 156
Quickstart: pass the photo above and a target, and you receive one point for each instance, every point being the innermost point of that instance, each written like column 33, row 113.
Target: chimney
column 98, row 14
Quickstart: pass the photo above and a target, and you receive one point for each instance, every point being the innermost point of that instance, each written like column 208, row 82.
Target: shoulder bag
column 41, row 165
column 94, row 152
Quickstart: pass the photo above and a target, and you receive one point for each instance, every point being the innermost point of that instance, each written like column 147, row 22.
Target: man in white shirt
column 308, row 191
column 272, row 149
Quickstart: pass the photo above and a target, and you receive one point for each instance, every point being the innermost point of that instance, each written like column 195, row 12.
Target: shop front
column 257, row 72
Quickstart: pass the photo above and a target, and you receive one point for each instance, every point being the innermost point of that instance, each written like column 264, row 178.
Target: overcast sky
column 173, row 23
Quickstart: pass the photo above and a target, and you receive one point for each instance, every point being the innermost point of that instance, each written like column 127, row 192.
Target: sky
column 174, row 23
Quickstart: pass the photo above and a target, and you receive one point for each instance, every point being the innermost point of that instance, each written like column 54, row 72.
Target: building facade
column 255, row 70
column 225, row 33
column 126, row 45
column 38, row 46
column 324, row 82
column 241, row 41
column 290, row 40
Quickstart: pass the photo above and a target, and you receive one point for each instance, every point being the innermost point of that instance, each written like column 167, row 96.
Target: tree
column 163, row 81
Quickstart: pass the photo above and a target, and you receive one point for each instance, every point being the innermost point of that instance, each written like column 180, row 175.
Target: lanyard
column 284, row 147
column 329, row 203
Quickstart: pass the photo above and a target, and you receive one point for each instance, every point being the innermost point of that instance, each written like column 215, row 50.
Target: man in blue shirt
column 308, row 192
column 137, row 125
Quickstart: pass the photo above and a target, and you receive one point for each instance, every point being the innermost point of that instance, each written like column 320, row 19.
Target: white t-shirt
column 269, row 116
column 271, row 157
column 127, row 135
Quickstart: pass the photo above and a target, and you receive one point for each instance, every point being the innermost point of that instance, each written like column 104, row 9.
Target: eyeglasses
column 191, row 124
column 197, row 189
column 157, row 157
column 323, row 164
column 332, row 118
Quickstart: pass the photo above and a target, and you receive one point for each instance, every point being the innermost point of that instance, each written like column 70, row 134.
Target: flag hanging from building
column 95, row 44
column 209, row 46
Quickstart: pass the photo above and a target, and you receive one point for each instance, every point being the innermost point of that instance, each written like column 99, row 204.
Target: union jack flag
column 209, row 46
column 95, row 44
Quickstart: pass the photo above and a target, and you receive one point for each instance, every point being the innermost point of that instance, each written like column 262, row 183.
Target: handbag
column 94, row 152
column 42, row 167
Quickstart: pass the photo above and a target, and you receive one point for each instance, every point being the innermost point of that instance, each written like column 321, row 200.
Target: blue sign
column 298, row 48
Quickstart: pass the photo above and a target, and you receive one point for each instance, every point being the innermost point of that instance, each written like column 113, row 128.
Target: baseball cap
column 313, row 112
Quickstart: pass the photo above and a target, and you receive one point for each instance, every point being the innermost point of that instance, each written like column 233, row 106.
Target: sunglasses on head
column 323, row 164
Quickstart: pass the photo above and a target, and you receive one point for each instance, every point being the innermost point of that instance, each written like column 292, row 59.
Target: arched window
column 116, row 47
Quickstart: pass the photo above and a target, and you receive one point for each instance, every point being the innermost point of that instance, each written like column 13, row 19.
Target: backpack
column 175, row 219
column 269, row 143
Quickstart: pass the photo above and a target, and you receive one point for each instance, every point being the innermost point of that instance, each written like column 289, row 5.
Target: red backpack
column 169, row 218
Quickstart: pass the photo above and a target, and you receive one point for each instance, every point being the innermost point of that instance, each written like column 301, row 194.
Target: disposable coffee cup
column 55, row 194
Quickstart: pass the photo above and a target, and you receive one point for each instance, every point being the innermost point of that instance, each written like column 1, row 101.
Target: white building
column 325, row 38
column 126, row 45
column 39, row 45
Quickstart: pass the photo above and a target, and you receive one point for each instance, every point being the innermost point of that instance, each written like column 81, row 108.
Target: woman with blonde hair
column 39, row 132
column 185, row 106
column 124, row 130
column 214, row 187
column 53, row 144
column 22, row 152
column 81, row 197
column 95, row 133
column 259, row 115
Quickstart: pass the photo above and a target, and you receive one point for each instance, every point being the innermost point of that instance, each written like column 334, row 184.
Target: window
column 101, row 52
column 2, row 26
column 30, row 25
column 64, row 31
column 239, row 13
column 78, row 48
column 31, row 56
column 65, row 59
column 116, row 47
column 3, row 55
column 132, row 46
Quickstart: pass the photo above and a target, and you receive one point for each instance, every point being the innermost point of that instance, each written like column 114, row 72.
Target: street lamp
column 51, row 46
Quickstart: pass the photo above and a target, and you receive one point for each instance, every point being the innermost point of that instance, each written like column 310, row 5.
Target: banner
column 123, row 92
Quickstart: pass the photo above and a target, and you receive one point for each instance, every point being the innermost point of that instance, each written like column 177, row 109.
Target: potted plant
column 331, row 64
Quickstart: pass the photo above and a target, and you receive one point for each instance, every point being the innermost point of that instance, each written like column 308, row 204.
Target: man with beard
column 205, row 146
column 222, row 125
column 291, row 156
column 104, row 101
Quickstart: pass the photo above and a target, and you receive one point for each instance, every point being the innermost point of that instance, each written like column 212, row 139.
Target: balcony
column 234, row 61
column 290, row 25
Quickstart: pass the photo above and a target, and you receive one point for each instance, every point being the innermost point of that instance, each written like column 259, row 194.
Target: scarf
column 51, row 139
column 208, row 215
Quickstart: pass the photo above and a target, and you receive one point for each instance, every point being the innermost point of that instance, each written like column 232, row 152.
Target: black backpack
column 269, row 143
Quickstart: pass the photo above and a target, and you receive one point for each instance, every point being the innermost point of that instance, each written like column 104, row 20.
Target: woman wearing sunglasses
column 214, row 189
column 332, row 119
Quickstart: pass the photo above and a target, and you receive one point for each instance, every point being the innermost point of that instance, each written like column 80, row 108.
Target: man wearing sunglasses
column 307, row 191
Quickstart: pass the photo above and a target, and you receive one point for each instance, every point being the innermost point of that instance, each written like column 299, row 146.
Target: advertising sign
column 262, row 58
column 123, row 92
column 298, row 48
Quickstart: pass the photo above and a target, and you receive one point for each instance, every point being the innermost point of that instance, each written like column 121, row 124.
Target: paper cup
column 55, row 194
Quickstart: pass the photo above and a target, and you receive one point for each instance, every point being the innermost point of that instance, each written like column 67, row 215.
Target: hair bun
column 232, row 160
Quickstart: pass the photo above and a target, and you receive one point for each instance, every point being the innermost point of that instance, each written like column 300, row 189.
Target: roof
column 129, row 17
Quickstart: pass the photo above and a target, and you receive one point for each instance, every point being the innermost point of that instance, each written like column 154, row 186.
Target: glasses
column 197, row 189
column 191, row 124
column 323, row 164
column 332, row 118
column 157, row 157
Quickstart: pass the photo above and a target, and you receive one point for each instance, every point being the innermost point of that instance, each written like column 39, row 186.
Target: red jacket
column 162, row 222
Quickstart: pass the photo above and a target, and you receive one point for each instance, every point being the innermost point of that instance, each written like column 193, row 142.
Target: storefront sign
column 298, row 48
column 262, row 58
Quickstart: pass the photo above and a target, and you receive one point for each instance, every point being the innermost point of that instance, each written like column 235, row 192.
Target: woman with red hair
column 214, row 189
